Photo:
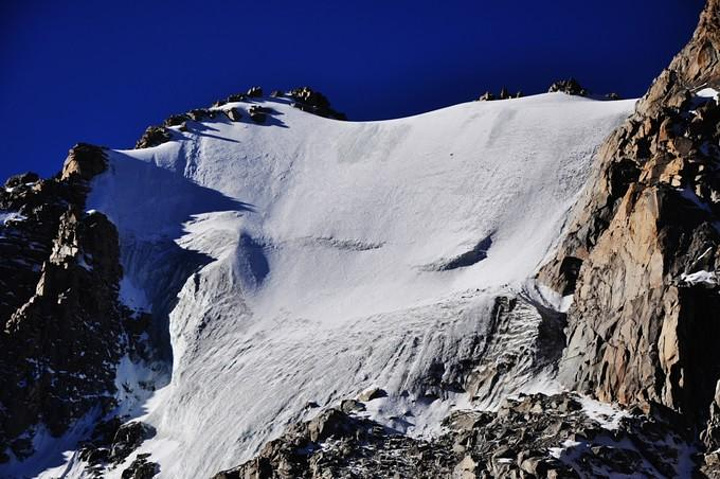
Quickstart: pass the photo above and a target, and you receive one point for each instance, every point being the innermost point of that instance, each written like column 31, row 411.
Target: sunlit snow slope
column 314, row 258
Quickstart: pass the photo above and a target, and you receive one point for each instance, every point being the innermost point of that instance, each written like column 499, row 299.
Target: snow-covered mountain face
column 258, row 291
column 304, row 260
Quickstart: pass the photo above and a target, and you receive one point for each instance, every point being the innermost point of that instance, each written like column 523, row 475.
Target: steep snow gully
column 305, row 260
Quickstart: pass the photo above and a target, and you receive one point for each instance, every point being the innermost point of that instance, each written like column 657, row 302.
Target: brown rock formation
column 639, row 330
column 84, row 161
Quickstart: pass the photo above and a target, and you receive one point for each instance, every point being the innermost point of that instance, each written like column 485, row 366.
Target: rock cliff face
column 641, row 253
column 63, row 327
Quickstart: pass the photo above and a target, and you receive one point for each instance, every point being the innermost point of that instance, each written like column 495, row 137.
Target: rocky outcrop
column 63, row 327
column 487, row 96
column 84, row 162
column 23, row 179
column 504, row 95
column 642, row 249
column 304, row 98
column 200, row 114
column 535, row 436
column 153, row 136
column 141, row 468
column 570, row 87
column 309, row 100
column 255, row 92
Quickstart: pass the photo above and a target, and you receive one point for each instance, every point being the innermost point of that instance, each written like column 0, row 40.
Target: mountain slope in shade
column 313, row 259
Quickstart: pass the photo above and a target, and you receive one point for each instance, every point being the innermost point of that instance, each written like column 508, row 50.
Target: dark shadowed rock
column 63, row 326
column 312, row 101
column 255, row 92
column 141, row 468
column 128, row 438
column 22, row 180
column 237, row 97
column 233, row 114
column 257, row 113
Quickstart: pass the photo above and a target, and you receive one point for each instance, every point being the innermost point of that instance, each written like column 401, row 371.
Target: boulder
column 351, row 405
column 372, row 393
column 233, row 114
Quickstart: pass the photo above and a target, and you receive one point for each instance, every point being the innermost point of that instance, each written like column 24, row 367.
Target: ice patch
column 557, row 452
column 548, row 297
column 11, row 217
column 708, row 278
column 707, row 93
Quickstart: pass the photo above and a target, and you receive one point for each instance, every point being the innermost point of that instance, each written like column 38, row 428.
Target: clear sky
column 101, row 71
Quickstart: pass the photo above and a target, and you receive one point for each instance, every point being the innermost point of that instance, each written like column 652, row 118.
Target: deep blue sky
column 101, row 71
